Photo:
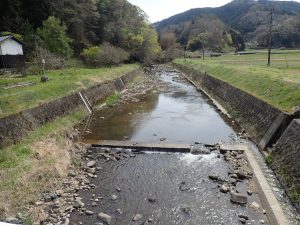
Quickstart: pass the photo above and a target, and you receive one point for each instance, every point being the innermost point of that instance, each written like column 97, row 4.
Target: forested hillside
column 243, row 18
column 79, row 27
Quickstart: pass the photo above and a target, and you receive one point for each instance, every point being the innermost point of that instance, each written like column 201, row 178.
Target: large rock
column 238, row 198
column 105, row 218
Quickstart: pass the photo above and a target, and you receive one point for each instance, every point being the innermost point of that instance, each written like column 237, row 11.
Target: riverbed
column 174, row 113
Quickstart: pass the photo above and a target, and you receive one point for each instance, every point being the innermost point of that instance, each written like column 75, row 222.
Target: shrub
column 172, row 53
column 90, row 55
column 54, row 37
column 105, row 55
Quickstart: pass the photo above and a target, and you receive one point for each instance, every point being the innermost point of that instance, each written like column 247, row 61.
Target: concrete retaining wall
column 286, row 155
column 255, row 115
column 15, row 127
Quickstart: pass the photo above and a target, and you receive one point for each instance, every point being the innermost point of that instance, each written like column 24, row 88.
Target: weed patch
column 112, row 100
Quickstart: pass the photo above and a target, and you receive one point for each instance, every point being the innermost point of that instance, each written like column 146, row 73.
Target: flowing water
column 178, row 185
column 176, row 114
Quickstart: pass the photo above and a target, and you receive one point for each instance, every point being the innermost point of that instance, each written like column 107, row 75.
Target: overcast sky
column 161, row 9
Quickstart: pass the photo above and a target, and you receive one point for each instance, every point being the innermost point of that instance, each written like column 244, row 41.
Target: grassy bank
column 34, row 164
column 62, row 82
column 278, row 84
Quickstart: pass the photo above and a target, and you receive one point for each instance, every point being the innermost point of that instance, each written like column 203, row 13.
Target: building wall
column 12, row 61
column 11, row 47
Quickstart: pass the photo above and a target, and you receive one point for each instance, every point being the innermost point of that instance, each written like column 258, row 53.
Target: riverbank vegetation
column 34, row 165
column 277, row 84
column 61, row 82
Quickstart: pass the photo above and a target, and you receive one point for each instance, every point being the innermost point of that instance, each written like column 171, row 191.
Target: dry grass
column 50, row 161
column 35, row 165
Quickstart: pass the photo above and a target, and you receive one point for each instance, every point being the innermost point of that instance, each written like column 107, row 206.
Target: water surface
column 180, row 114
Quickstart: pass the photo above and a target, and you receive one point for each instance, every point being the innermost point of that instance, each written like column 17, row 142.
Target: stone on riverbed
column 244, row 216
column 150, row 199
column 78, row 203
column 200, row 149
column 114, row 197
column 137, row 217
column 105, row 218
column 224, row 189
column 238, row 198
column 88, row 212
column 255, row 205
column 91, row 163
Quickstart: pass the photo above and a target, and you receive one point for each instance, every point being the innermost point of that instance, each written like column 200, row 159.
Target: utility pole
column 270, row 37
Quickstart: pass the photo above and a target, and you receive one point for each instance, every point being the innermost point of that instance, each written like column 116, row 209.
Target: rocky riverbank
column 79, row 200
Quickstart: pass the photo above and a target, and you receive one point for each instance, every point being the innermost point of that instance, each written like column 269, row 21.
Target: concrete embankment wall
column 267, row 125
column 255, row 115
column 286, row 155
column 15, row 127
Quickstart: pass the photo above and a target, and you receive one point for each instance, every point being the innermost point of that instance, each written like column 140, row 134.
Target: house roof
column 3, row 38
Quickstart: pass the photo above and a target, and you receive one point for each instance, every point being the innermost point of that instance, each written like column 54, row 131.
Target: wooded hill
column 79, row 27
column 246, row 17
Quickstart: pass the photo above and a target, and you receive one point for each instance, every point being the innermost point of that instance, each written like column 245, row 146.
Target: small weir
column 166, row 184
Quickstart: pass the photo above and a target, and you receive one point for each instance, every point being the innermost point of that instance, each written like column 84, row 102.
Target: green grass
column 112, row 100
column 62, row 82
column 22, row 174
column 11, row 156
column 278, row 84
column 293, row 191
column 270, row 159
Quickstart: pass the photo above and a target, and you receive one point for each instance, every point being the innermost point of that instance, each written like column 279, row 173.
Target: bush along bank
column 268, row 126
column 13, row 128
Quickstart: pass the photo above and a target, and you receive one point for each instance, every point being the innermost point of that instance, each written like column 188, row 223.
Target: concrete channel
column 162, row 133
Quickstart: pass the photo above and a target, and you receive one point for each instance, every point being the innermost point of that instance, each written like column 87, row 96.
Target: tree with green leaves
column 54, row 37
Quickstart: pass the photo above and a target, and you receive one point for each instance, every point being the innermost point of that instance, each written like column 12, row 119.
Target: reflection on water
column 180, row 114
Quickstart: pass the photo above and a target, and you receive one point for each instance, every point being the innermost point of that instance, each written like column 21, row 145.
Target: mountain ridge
column 248, row 17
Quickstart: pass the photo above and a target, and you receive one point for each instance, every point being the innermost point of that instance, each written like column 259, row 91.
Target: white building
column 10, row 46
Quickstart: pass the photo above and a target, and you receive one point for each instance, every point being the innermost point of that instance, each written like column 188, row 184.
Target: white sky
column 161, row 9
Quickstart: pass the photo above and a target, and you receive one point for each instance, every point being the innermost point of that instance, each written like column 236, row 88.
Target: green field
column 61, row 83
column 278, row 84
